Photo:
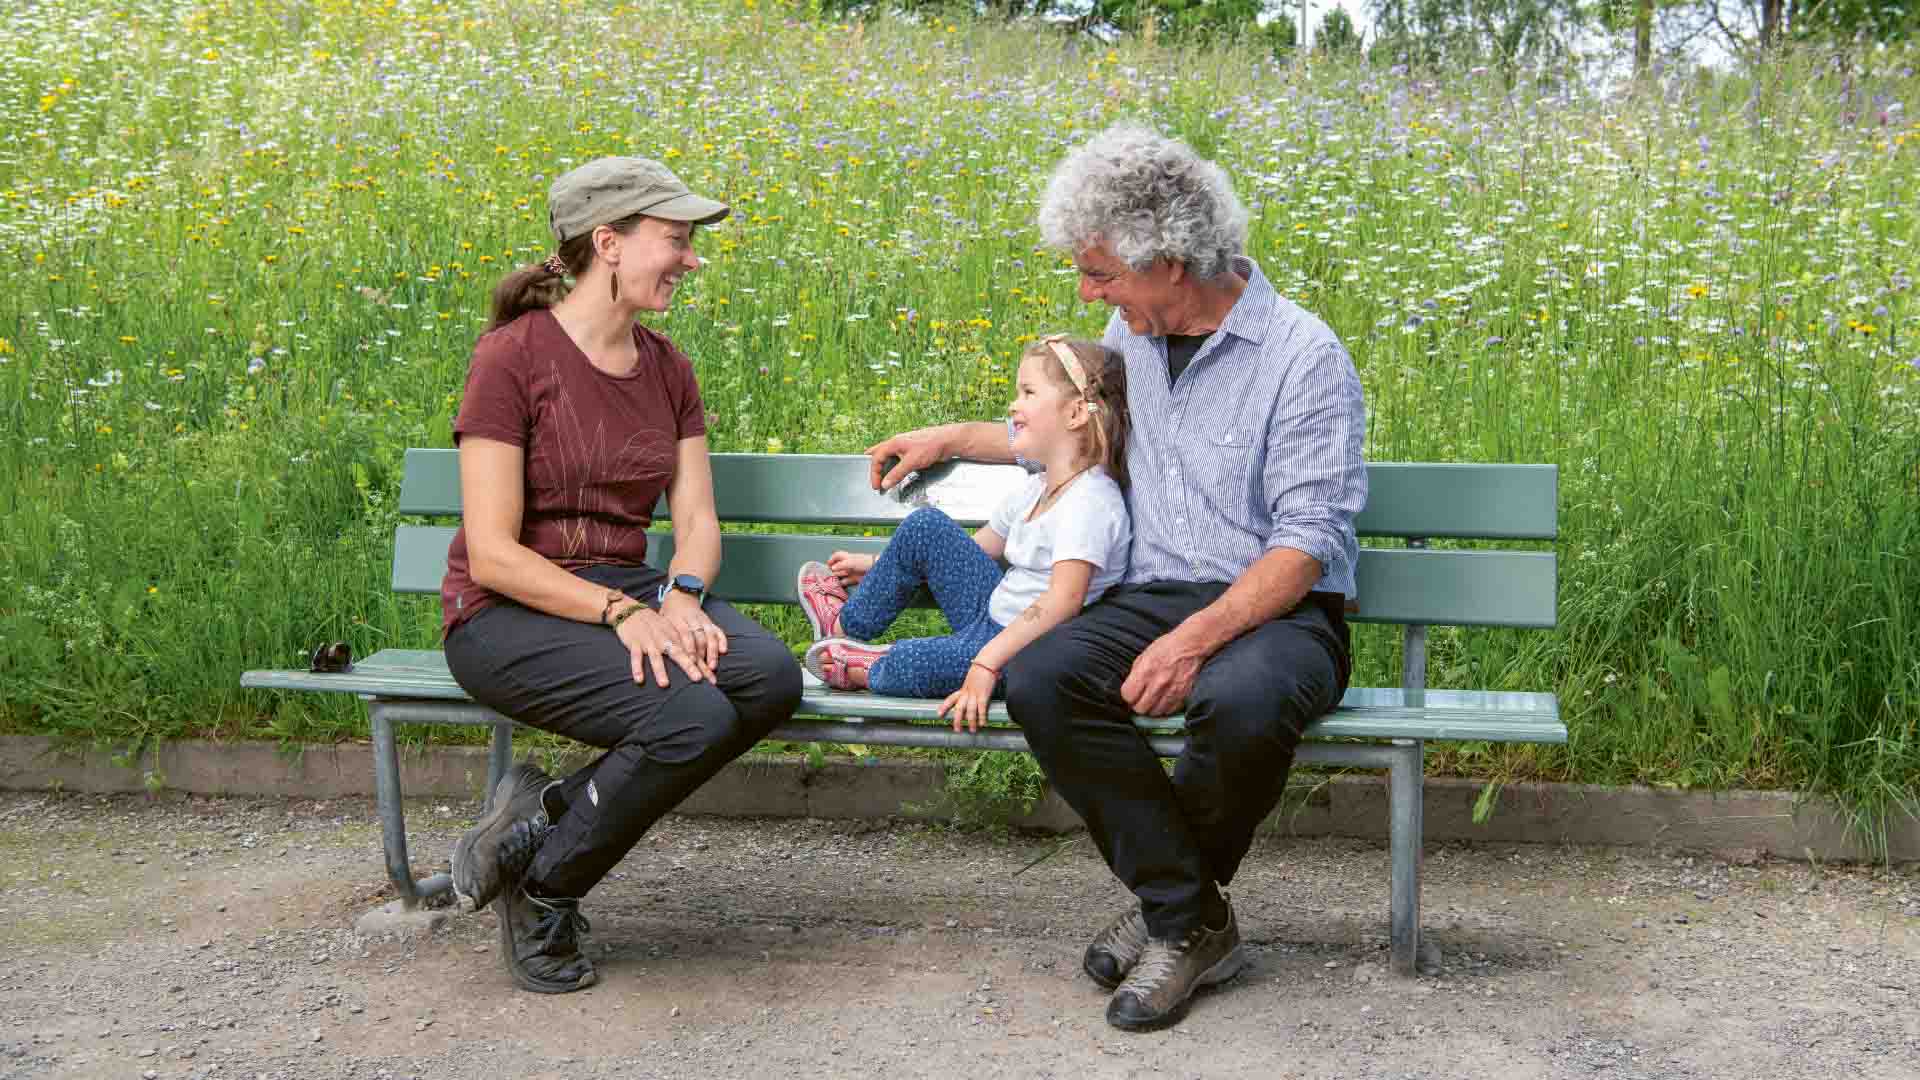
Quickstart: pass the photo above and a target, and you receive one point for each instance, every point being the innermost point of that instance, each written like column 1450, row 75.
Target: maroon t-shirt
column 600, row 448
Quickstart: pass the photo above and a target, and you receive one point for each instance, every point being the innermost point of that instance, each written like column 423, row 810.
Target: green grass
column 246, row 249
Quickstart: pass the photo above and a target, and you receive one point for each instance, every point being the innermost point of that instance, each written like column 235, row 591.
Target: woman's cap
column 607, row 189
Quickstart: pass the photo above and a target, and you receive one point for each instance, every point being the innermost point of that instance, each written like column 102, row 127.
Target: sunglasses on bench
column 333, row 658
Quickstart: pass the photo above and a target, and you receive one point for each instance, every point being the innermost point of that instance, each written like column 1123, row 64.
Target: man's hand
column 1164, row 674
column 915, row 449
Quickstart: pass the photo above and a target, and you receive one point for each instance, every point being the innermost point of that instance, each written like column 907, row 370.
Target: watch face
column 689, row 583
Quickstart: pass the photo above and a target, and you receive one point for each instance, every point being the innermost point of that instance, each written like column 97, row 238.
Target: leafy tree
column 1749, row 28
column 1510, row 34
column 1188, row 21
column 1337, row 34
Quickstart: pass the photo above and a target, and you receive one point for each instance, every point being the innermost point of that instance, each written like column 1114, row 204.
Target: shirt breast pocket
column 1235, row 457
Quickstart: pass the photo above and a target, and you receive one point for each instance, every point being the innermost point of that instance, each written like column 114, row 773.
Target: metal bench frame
column 1414, row 502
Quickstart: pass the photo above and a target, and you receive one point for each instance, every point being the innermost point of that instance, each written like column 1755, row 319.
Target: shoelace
column 558, row 923
column 825, row 589
column 1155, row 966
column 1130, row 937
column 828, row 597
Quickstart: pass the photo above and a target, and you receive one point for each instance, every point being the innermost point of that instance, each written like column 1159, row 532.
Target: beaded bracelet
column 614, row 596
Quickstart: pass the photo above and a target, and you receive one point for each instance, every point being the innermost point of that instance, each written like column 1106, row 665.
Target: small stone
column 951, row 923
column 422, row 1025
column 149, row 1075
column 675, row 1011
column 147, row 1053
column 356, row 1009
column 316, row 1035
column 1681, row 919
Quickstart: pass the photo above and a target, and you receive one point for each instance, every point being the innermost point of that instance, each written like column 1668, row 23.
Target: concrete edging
column 1737, row 824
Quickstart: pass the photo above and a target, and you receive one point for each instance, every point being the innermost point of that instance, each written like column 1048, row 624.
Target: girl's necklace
column 1045, row 501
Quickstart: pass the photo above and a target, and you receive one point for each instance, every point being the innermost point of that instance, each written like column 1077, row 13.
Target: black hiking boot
column 539, row 940
column 494, row 854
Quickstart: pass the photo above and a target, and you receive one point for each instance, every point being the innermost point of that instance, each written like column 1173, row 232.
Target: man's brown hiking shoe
column 1160, row 986
column 1116, row 949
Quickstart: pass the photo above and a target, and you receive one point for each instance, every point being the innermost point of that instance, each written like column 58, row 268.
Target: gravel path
column 187, row 937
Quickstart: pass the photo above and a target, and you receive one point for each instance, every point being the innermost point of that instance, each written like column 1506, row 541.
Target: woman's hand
column 969, row 703
column 651, row 638
column 849, row 567
column 698, row 632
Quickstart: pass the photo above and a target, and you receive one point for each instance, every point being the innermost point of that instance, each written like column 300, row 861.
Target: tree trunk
column 1769, row 23
column 1642, row 37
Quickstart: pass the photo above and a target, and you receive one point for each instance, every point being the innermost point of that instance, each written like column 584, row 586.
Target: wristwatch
column 686, row 583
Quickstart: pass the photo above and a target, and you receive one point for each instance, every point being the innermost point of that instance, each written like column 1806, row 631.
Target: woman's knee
column 695, row 721
column 766, row 678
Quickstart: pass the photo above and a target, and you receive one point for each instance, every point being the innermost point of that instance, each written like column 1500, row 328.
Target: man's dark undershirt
column 1180, row 350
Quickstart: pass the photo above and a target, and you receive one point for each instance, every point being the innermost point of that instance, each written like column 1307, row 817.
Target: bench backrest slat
column 1436, row 501
column 1457, row 588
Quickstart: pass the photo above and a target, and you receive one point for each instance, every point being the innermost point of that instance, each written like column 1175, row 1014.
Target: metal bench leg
column 393, row 822
column 500, row 759
column 1405, row 786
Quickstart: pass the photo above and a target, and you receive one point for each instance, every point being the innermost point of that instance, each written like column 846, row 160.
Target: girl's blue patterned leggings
column 929, row 548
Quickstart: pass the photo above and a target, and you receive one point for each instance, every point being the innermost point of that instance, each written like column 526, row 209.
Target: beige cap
column 607, row 189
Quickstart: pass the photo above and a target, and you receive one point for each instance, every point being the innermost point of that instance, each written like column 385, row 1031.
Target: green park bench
column 1411, row 585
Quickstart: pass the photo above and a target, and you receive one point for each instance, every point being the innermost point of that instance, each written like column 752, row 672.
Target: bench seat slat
column 1397, row 585
column 1366, row 712
column 1436, row 500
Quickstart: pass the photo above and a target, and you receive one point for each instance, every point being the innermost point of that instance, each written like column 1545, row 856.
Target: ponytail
column 544, row 284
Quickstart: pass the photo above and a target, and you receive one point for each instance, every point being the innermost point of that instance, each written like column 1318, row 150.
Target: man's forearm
column 1270, row 588
column 977, row 440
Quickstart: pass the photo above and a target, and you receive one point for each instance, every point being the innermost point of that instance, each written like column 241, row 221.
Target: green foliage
column 993, row 788
column 1337, row 36
column 1511, row 35
column 1845, row 20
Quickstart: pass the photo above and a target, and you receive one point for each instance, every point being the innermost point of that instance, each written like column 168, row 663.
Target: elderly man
column 1246, row 476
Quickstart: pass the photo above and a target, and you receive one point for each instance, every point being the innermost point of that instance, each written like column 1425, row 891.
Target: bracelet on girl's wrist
column 626, row 613
column 993, row 671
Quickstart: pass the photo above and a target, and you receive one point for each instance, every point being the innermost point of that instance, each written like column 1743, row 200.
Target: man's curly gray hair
column 1146, row 197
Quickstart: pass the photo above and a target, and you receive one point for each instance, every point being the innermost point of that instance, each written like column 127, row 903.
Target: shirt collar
column 1252, row 314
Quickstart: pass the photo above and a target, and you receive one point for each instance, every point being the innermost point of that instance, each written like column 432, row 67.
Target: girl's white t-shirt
column 1088, row 522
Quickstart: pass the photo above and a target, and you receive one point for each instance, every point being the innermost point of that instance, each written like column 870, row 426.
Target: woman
column 575, row 420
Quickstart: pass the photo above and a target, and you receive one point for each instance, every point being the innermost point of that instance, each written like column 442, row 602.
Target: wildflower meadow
column 247, row 246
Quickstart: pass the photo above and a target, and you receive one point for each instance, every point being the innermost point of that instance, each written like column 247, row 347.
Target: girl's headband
column 1071, row 361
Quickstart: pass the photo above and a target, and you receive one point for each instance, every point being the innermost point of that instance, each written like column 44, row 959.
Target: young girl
column 1064, row 534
